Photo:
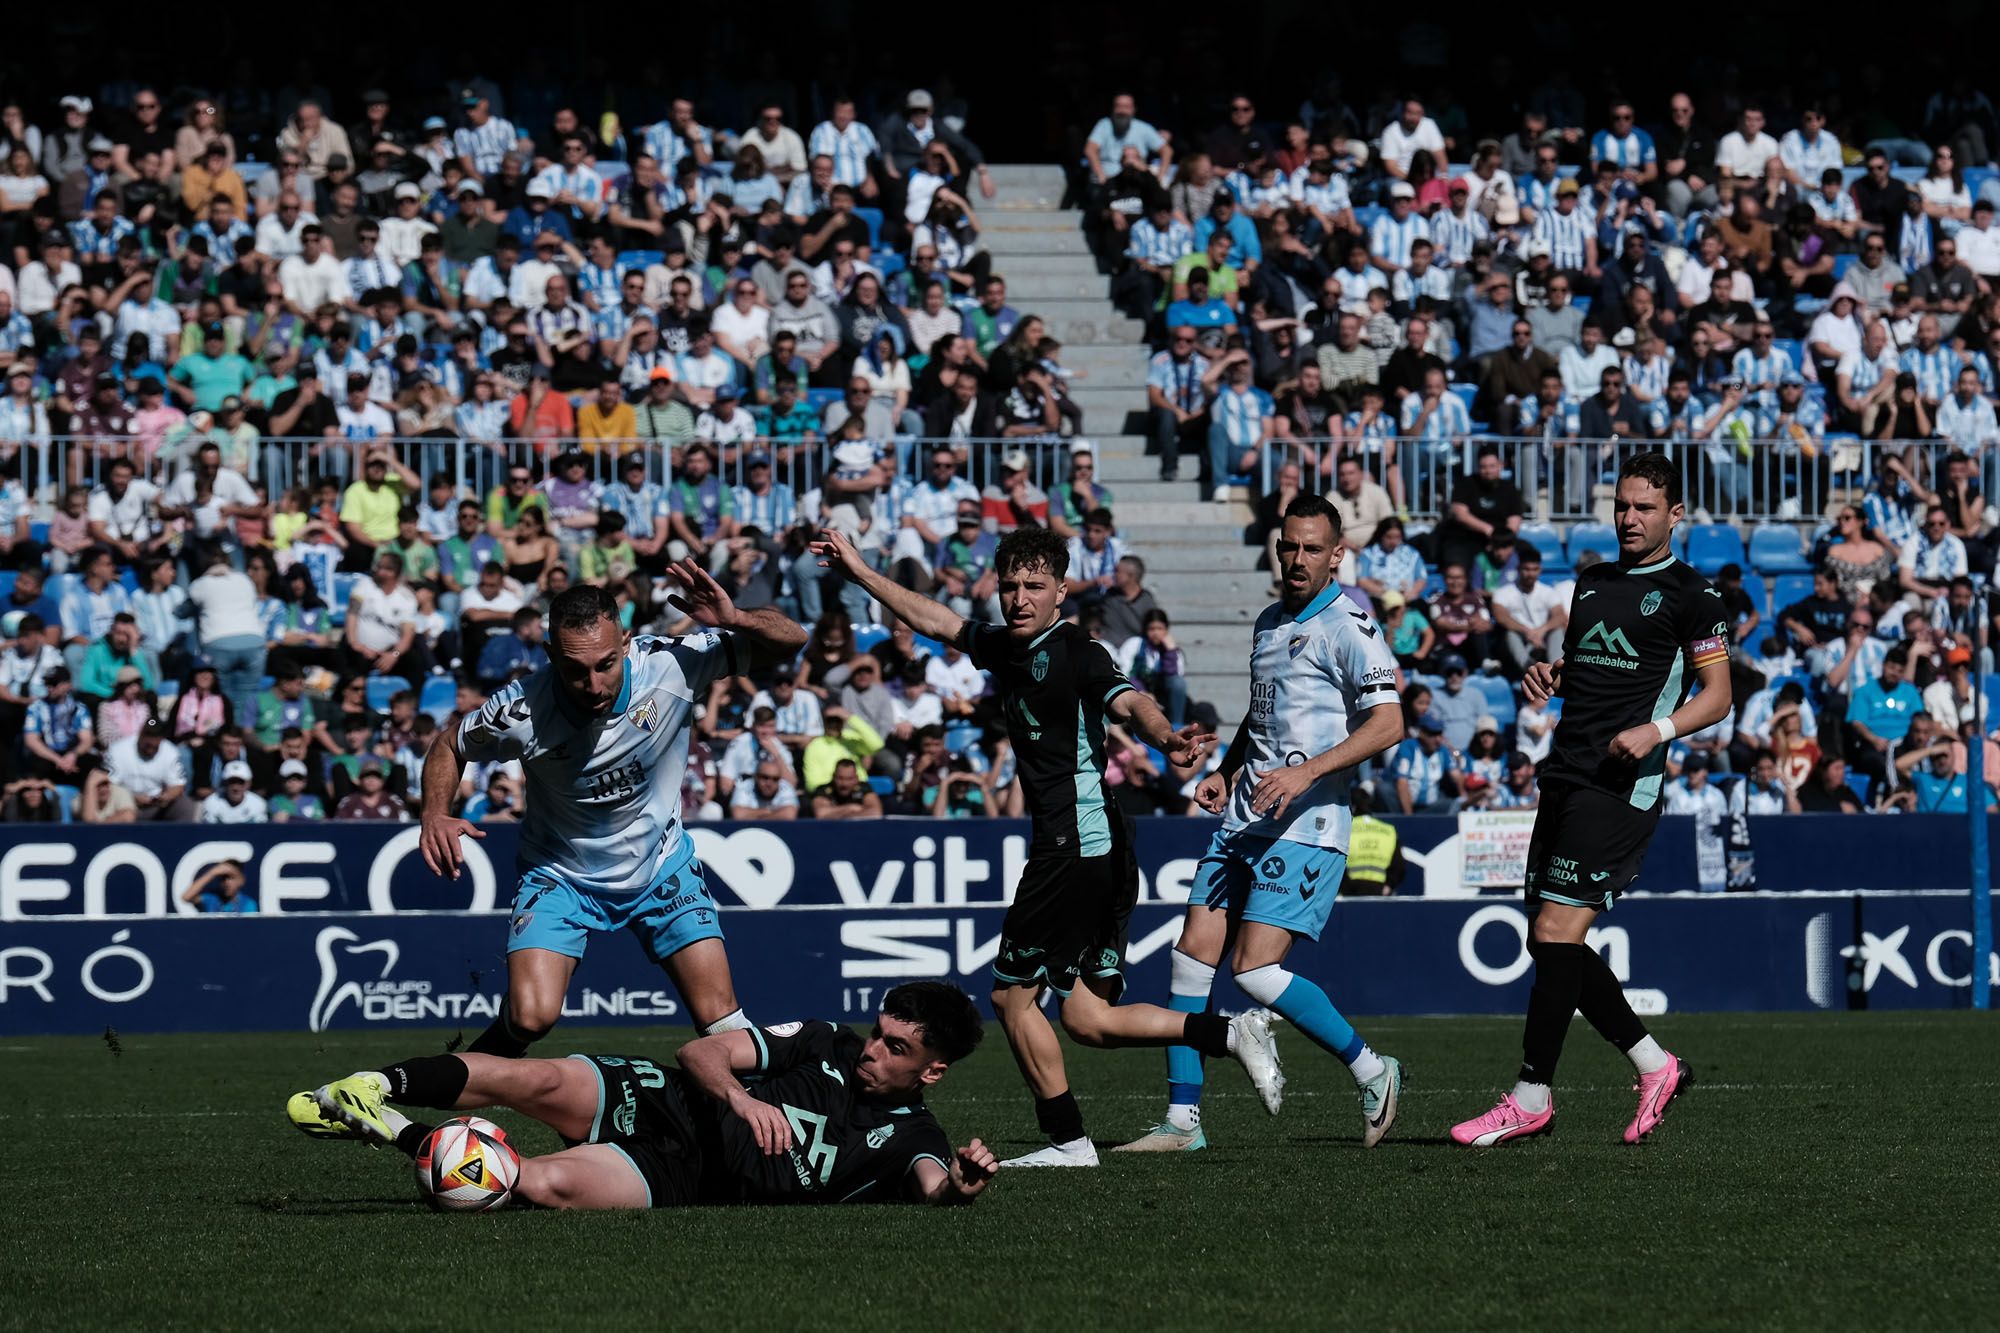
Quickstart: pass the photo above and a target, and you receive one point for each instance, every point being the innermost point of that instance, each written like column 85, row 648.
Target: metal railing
column 1749, row 480
column 1561, row 480
column 476, row 467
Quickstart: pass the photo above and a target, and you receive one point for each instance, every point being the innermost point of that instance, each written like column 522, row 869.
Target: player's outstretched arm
column 773, row 636
column 933, row 620
column 715, row 1063
column 439, row 839
column 1187, row 747
column 972, row 1168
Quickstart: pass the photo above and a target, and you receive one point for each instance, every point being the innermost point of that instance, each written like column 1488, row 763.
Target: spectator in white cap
column 1014, row 501
column 907, row 137
column 402, row 236
column 65, row 149
column 233, row 802
column 295, row 801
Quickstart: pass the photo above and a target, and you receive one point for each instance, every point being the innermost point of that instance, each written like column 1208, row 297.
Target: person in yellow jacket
column 1375, row 864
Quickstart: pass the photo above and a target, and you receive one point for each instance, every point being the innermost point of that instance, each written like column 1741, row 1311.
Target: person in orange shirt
column 607, row 418
column 539, row 412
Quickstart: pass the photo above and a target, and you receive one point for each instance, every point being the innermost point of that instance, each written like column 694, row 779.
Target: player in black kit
column 1641, row 630
column 795, row 1113
column 1065, row 931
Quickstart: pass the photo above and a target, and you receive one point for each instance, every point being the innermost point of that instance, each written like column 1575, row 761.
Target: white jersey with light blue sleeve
column 604, row 793
column 1311, row 677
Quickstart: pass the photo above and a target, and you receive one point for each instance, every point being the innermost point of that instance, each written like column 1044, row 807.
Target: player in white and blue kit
column 1322, row 701
column 602, row 736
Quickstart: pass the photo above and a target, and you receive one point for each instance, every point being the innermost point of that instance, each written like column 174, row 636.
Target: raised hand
column 701, row 597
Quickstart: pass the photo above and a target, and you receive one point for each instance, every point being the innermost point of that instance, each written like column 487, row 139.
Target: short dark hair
column 1101, row 517
column 1656, row 468
column 1309, row 505
column 1032, row 548
column 942, row 1012
column 581, row 606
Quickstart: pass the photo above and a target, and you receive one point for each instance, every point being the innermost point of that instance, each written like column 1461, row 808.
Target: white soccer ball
column 467, row 1165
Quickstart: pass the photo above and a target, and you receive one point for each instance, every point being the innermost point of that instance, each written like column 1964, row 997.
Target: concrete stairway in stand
column 1196, row 563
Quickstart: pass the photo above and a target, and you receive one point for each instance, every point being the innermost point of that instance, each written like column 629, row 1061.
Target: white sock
column 1533, row 1097
column 1189, row 976
column 1232, row 1036
column 729, row 1022
column 1076, row 1145
column 1647, row 1057
column 395, row 1120
column 1367, row 1065
column 1185, row 1118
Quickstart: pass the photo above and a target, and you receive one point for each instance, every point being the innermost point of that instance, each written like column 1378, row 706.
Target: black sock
column 1060, row 1117
column 412, row 1139
column 1604, row 1004
column 1207, row 1033
column 427, row 1080
column 500, row 1039
column 1558, row 985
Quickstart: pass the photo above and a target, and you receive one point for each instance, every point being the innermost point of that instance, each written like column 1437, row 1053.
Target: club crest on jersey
column 1039, row 668
column 646, row 717
column 880, row 1135
column 1298, row 645
column 1650, row 604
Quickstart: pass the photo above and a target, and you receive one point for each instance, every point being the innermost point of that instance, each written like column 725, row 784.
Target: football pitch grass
column 1825, row 1171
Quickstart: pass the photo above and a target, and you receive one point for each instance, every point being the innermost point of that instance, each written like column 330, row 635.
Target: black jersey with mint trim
column 1054, row 690
column 847, row 1147
column 1635, row 640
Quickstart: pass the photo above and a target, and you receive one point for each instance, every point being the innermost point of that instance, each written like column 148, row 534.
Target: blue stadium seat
column 128, row 577
column 381, row 687
column 1793, row 346
column 882, row 786
column 68, row 799
column 1754, row 586
column 867, row 636
column 1544, row 538
column 930, row 647
column 961, row 736
column 168, row 689
column 1365, row 215
column 1789, row 588
column 7, row 577
column 38, row 533
column 1678, row 544
column 1842, row 263
column 1752, row 644
column 872, row 217
column 1858, row 784
column 1713, row 545
column 1433, row 586
column 1581, row 302
column 820, row 399
column 1774, row 549
column 1465, row 393
column 439, row 695
column 641, row 259
column 1596, row 537
column 1499, row 694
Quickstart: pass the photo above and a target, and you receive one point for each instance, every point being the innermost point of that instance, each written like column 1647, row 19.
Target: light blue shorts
column 672, row 913
column 1290, row 885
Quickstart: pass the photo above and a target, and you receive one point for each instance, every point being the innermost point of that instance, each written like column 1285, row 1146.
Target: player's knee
column 532, row 1017
column 1086, row 1026
column 546, row 1183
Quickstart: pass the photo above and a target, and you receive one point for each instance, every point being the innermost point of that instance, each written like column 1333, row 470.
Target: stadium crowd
column 294, row 451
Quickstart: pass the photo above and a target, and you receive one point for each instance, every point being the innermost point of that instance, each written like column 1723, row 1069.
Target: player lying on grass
column 797, row 1113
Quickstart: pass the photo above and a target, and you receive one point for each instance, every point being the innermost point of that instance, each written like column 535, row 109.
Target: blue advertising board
column 1382, row 956
column 822, row 919
column 79, row 871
